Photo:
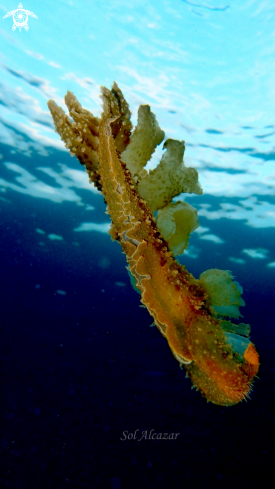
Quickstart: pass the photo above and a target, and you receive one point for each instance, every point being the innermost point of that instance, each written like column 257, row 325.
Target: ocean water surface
column 81, row 368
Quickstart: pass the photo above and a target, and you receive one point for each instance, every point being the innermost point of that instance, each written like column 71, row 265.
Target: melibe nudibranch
column 190, row 313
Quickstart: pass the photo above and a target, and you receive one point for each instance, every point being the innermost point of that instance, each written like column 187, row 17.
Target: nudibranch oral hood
column 190, row 313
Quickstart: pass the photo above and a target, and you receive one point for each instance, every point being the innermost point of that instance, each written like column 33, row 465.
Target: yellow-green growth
column 224, row 294
column 175, row 222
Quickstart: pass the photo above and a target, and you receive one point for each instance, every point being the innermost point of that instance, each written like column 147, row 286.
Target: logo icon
column 20, row 17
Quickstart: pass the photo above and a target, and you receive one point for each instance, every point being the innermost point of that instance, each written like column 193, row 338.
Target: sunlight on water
column 204, row 68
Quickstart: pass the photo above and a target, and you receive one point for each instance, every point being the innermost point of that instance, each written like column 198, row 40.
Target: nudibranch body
column 217, row 356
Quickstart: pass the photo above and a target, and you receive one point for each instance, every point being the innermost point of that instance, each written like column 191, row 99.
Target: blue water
column 80, row 364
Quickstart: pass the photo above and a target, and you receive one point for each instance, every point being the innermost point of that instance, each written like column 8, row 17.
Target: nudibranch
column 190, row 313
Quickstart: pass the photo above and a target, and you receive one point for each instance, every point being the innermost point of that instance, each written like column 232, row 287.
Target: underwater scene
column 137, row 150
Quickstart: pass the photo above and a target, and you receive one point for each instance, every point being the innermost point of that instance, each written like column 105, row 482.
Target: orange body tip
column 251, row 355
